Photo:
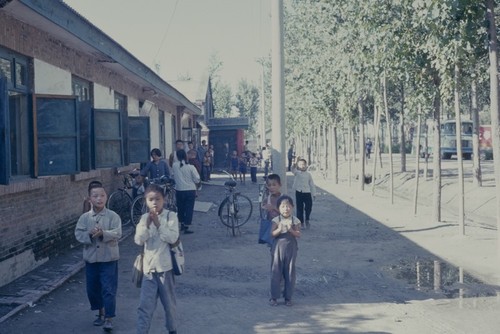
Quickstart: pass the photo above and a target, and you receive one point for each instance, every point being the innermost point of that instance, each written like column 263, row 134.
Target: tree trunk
column 402, row 144
column 362, row 155
column 389, row 134
column 436, row 161
column 335, row 155
column 349, row 155
column 458, row 126
column 494, row 108
column 417, row 160
column 476, row 163
column 376, row 151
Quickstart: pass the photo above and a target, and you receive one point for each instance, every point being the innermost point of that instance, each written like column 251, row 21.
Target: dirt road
column 354, row 275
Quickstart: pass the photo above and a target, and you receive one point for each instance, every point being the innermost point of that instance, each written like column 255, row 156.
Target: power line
column 166, row 31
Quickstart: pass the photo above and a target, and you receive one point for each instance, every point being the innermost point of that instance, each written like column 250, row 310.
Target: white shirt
column 186, row 177
column 303, row 182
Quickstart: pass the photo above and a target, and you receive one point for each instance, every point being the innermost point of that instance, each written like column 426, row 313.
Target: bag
column 137, row 270
column 265, row 236
column 177, row 255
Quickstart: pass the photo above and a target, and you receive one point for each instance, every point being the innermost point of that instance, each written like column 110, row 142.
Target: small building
column 75, row 106
column 226, row 134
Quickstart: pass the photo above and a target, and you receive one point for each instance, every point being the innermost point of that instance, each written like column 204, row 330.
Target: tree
column 247, row 102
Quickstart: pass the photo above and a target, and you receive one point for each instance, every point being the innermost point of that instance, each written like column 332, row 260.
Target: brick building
column 75, row 106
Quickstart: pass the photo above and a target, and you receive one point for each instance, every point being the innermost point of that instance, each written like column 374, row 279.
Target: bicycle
column 263, row 196
column 138, row 207
column 120, row 201
column 236, row 209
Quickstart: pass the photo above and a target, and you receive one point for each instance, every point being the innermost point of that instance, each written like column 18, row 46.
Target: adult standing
column 186, row 179
column 202, row 149
column 179, row 145
column 157, row 167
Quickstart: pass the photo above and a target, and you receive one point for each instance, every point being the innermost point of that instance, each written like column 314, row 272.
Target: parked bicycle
column 138, row 207
column 120, row 200
column 236, row 209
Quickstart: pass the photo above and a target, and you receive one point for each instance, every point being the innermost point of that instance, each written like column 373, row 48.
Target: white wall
column 104, row 97
column 51, row 80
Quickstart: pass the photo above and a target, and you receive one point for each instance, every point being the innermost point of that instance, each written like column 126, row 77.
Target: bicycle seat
column 231, row 184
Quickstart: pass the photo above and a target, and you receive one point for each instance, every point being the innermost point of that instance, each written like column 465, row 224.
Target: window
column 108, row 138
column 15, row 115
column 81, row 89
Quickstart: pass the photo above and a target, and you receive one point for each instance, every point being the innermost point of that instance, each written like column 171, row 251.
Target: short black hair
column 181, row 155
column 156, row 151
column 284, row 198
column 274, row 177
column 153, row 188
column 179, row 141
column 94, row 184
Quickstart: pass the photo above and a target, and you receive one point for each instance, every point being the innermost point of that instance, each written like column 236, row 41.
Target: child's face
column 286, row 209
column 98, row 198
column 301, row 165
column 235, row 153
column 155, row 157
column 154, row 201
column 273, row 186
column 139, row 179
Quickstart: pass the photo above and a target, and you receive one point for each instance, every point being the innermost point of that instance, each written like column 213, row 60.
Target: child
column 99, row 230
column 234, row 162
column 87, row 205
column 273, row 184
column 285, row 230
column 138, row 184
column 254, row 162
column 305, row 190
column 207, row 163
column 157, row 229
column 243, row 167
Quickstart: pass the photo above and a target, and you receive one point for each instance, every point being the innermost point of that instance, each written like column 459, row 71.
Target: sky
column 181, row 35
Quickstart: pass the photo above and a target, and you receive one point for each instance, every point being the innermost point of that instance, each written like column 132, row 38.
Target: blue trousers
column 154, row 286
column 185, row 205
column 253, row 174
column 102, row 282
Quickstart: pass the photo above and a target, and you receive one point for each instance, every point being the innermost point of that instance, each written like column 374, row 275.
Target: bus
column 448, row 139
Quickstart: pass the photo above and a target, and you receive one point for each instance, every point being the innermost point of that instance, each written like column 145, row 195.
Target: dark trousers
column 304, row 203
column 185, row 205
column 253, row 174
column 102, row 281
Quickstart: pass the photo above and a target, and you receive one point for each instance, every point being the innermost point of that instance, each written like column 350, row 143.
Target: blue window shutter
column 108, row 138
column 4, row 133
column 58, row 135
column 139, row 139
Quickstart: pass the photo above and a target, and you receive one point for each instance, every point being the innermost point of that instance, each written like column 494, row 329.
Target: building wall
column 51, row 80
column 38, row 216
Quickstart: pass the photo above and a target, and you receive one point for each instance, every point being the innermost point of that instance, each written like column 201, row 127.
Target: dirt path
column 354, row 275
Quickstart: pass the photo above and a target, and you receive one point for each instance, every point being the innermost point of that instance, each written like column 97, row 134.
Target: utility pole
column 262, row 123
column 278, row 94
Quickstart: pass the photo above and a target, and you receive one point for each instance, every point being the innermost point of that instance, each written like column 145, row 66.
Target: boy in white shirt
column 305, row 191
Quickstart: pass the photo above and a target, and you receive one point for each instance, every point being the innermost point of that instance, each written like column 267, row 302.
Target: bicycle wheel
column 170, row 202
column 138, row 208
column 242, row 209
column 263, row 196
column 120, row 202
column 227, row 216
column 235, row 214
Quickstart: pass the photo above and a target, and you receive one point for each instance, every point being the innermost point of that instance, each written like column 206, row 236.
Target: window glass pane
column 108, row 153
column 107, row 125
column 5, row 68
column 81, row 89
column 19, row 134
column 54, row 116
column 20, row 74
column 120, row 102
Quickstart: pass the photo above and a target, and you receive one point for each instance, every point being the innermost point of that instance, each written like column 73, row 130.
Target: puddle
column 442, row 277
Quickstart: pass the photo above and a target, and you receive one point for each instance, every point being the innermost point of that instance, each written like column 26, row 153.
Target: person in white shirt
column 186, row 180
column 305, row 191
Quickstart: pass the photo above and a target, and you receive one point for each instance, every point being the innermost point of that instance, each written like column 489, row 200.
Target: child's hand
column 96, row 232
column 153, row 217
